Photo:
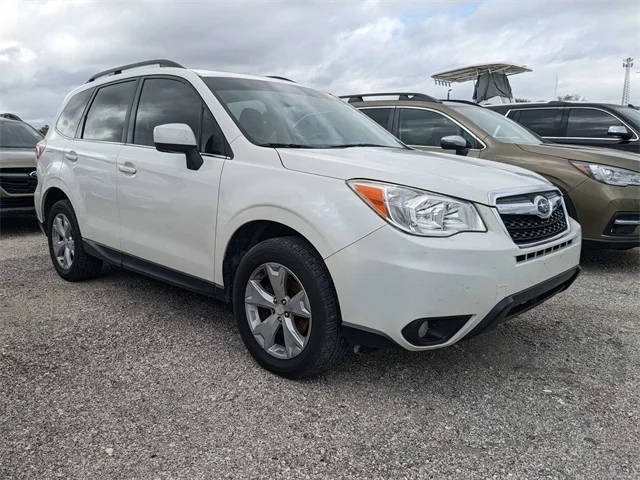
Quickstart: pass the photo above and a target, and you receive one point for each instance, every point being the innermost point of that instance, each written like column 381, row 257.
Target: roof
column 402, row 96
column 557, row 103
column 465, row 74
column 160, row 66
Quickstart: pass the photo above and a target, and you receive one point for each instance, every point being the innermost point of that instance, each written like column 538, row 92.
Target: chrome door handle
column 128, row 169
column 71, row 156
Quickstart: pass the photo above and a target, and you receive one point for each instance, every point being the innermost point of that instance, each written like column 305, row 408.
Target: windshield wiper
column 285, row 145
column 350, row 145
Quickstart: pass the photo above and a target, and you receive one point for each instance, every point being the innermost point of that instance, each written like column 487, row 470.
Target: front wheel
column 286, row 308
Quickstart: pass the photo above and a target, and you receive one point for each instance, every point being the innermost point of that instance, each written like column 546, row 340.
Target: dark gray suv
column 579, row 123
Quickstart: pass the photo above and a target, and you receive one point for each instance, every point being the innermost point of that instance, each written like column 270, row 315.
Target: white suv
column 321, row 227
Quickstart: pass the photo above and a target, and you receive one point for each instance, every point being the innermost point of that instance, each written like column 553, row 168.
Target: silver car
column 18, row 178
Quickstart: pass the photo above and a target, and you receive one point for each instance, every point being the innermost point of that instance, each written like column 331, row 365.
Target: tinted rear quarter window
column 67, row 123
column 543, row 121
column 14, row 134
column 590, row 123
column 382, row 116
column 108, row 112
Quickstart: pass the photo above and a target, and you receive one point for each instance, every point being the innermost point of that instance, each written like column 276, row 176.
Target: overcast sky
column 48, row 48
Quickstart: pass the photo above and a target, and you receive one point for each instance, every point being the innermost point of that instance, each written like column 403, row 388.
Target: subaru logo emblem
column 543, row 205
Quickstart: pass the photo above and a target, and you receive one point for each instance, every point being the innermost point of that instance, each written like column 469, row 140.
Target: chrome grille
column 533, row 218
column 18, row 180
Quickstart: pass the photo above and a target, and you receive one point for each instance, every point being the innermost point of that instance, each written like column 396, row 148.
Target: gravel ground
column 125, row 377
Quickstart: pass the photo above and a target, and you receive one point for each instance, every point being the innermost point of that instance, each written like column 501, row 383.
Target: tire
column 325, row 347
column 82, row 265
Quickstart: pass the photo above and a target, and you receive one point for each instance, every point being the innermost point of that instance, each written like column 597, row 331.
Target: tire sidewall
column 321, row 310
column 63, row 206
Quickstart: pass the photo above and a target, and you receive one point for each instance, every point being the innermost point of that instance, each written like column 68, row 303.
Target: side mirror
column 455, row 142
column 619, row 131
column 178, row 138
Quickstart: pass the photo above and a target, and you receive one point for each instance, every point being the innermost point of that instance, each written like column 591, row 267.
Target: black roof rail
column 281, row 78
column 116, row 70
column 466, row 102
column 10, row 116
column 405, row 96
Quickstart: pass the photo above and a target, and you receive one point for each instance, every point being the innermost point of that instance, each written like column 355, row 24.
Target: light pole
column 627, row 64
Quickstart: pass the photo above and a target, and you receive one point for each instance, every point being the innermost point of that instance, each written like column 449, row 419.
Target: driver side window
column 426, row 128
column 164, row 100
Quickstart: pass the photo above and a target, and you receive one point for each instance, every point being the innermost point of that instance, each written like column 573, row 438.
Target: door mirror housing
column 619, row 131
column 455, row 142
column 178, row 138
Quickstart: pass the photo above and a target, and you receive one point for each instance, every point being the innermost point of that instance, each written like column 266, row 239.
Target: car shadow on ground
column 510, row 351
column 601, row 260
column 13, row 227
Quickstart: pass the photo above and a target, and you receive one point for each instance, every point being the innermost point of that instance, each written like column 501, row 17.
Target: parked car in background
column 601, row 186
column 17, row 166
column 320, row 226
column 579, row 123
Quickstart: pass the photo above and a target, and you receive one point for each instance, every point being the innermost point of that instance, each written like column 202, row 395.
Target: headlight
column 606, row 174
column 417, row 211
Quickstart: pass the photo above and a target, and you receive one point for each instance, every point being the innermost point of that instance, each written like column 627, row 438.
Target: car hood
column 606, row 156
column 17, row 157
column 457, row 176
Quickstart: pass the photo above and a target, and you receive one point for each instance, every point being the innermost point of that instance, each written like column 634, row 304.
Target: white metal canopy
column 466, row 74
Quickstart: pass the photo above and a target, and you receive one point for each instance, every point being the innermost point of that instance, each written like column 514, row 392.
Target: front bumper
column 598, row 205
column 389, row 279
column 16, row 206
column 526, row 300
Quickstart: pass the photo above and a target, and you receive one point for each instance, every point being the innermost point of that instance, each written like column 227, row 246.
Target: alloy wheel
column 278, row 311
column 62, row 241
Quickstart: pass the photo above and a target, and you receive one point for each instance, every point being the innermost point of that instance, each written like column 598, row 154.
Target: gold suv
column 601, row 186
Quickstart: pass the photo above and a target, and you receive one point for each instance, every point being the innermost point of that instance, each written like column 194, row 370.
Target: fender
column 273, row 213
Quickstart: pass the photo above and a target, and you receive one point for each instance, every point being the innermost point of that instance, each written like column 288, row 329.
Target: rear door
column 548, row 122
column 168, row 212
column 90, row 161
column 424, row 128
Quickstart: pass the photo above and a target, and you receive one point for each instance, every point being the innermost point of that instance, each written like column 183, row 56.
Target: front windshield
column 631, row 113
column 277, row 114
column 497, row 126
column 14, row 134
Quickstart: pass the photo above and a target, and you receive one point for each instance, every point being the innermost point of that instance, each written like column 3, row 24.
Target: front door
column 423, row 129
column 168, row 212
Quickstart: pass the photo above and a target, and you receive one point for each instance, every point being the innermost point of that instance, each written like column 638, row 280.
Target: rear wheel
column 286, row 308
column 65, row 245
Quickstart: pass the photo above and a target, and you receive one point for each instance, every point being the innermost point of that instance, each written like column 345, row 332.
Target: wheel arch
column 247, row 236
column 52, row 195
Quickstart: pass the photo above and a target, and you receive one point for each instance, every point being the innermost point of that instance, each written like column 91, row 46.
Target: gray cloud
column 48, row 48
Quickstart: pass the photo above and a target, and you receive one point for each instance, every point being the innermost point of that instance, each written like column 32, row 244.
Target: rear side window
column 543, row 121
column 170, row 101
column 70, row 117
column 590, row 123
column 426, row 128
column 108, row 112
column 382, row 116
column 14, row 134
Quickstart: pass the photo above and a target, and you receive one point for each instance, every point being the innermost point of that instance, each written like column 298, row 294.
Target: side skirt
column 154, row 270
